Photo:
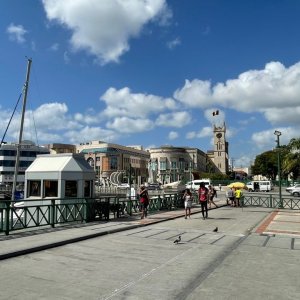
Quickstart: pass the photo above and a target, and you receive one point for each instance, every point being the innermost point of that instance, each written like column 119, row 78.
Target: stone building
column 219, row 155
column 116, row 163
column 58, row 148
column 170, row 164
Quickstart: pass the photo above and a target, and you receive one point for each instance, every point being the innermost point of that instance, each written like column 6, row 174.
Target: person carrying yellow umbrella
column 238, row 192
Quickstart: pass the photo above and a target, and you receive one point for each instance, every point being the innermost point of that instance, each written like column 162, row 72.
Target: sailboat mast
column 21, row 131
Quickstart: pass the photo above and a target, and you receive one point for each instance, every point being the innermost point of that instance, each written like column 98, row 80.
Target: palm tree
column 291, row 161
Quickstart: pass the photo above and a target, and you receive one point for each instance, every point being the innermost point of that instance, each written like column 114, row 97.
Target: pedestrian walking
column 220, row 187
column 230, row 197
column 144, row 201
column 203, row 198
column 188, row 198
column 237, row 194
column 211, row 194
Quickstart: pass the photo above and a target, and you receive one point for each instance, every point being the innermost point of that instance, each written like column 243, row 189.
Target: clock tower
column 220, row 157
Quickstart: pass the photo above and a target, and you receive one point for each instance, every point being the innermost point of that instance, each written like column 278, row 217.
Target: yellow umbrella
column 240, row 185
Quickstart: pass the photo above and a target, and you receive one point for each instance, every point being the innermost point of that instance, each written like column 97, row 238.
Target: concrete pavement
column 279, row 222
column 245, row 259
column 29, row 241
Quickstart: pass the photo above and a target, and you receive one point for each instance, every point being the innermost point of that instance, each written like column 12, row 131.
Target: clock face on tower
column 219, row 135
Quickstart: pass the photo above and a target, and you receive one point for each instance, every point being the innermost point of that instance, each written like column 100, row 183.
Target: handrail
column 54, row 212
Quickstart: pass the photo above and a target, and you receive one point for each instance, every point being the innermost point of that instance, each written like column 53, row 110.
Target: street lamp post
column 278, row 134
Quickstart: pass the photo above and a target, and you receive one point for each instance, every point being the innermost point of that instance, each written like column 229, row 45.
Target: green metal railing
column 51, row 212
column 271, row 201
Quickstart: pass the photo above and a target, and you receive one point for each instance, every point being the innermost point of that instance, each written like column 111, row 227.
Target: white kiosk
column 67, row 178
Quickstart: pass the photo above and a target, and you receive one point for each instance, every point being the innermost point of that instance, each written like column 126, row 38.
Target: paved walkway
column 279, row 222
column 245, row 259
column 29, row 241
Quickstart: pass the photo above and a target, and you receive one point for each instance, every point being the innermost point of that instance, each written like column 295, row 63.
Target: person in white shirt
column 188, row 199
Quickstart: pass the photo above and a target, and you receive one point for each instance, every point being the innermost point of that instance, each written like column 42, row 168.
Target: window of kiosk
column 71, row 188
column 34, row 188
column 87, row 188
column 50, row 188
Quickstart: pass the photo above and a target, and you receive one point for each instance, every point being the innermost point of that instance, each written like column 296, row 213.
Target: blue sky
column 151, row 72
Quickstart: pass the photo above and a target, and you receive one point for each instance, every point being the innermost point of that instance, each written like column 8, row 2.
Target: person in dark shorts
column 230, row 197
column 203, row 197
column 211, row 194
column 144, row 201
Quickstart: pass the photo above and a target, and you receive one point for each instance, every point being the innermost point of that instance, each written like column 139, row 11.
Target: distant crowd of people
column 233, row 197
column 205, row 197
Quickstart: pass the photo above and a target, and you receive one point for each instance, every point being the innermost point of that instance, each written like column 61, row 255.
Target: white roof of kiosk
column 66, row 162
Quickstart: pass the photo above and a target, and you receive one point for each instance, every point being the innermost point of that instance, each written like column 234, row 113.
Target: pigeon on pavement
column 177, row 240
column 216, row 229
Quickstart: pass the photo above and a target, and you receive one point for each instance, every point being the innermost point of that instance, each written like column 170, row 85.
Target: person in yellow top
column 238, row 194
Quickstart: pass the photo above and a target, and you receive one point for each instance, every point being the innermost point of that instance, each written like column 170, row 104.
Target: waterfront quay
column 254, row 255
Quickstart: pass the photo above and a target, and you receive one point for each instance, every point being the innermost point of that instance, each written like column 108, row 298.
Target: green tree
column 266, row 164
column 291, row 161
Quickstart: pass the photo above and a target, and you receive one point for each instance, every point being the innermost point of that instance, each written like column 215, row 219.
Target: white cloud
column 196, row 93
column 104, row 28
column 54, row 47
column 204, row 132
column 53, row 123
column 66, row 57
column 90, row 133
column 128, row 125
column 173, row 135
column 281, row 115
column 174, row 43
column 217, row 120
column 270, row 91
column 175, row 119
column 123, row 103
column 243, row 161
column 248, row 121
column 16, row 33
column 54, row 116
column 266, row 140
column 89, row 117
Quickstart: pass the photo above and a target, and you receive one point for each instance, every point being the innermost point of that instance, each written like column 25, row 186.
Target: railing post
column 159, row 202
column 129, row 207
column 52, row 221
column 7, row 210
column 271, row 201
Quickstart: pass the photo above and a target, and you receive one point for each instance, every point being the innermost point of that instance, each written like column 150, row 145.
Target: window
column 34, row 188
column 173, row 164
column 91, row 162
column 114, row 163
column 181, row 163
column 50, row 188
column 71, row 188
column 87, row 188
column 163, row 165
